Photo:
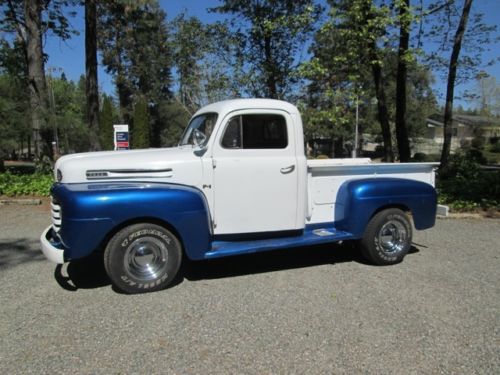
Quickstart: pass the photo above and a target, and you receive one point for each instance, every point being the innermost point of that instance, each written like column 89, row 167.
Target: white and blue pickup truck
column 238, row 182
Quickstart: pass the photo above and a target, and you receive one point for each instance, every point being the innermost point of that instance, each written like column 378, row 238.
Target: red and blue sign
column 121, row 137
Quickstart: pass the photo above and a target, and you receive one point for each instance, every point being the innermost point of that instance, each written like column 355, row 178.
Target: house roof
column 437, row 119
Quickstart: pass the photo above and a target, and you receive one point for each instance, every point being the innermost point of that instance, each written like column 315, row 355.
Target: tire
column 142, row 258
column 387, row 237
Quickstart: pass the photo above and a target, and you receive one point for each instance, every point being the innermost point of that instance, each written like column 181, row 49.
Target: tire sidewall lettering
column 145, row 232
column 126, row 279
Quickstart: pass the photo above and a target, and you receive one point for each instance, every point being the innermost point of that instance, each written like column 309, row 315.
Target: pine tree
column 106, row 124
column 141, row 127
column 133, row 40
column 91, row 81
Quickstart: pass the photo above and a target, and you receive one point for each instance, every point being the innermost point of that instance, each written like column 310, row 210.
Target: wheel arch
column 360, row 200
column 93, row 213
column 402, row 207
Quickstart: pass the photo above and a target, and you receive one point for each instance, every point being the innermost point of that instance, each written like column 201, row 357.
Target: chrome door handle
column 289, row 169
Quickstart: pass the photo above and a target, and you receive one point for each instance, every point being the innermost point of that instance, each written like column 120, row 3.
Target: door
column 255, row 175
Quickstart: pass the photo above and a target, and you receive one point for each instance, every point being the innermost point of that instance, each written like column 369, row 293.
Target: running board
column 309, row 237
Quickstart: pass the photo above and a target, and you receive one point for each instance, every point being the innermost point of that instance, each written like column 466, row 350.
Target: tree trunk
column 383, row 116
column 269, row 68
column 401, row 130
column 36, row 72
column 91, row 88
column 452, row 73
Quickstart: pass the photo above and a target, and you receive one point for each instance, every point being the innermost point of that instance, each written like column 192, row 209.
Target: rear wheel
column 142, row 258
column 387, row 237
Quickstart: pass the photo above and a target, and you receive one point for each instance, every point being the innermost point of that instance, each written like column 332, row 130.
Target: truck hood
column 168, row 164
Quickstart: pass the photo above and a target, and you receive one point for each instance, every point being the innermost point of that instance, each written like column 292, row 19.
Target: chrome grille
column 56, row 215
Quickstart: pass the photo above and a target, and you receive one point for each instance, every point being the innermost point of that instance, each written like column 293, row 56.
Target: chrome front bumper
column 51, row 247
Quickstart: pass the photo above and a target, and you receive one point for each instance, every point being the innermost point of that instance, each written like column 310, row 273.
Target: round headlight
column 59, row 175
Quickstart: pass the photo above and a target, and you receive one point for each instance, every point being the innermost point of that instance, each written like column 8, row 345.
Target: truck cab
column 238, row 182
column 254, row 165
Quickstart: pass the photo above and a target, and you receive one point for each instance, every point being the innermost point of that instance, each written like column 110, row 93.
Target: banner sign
column 121, row 137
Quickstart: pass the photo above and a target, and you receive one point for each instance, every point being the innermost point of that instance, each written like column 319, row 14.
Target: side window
column 232, row 136
column 256, row 132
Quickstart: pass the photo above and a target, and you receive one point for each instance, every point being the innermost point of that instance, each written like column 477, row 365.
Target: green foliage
column 463, row 185
column 68, row 113
column 269, row 35
column 495, row 147
column 438, row 29
column 14, row 113
column 420, row 99
column 14, row 104
column 133, row 39
column 32, row 184
column 106, row 124
column 478, row 142
column 176, row 119
column 141, row 127
column 345, row 48
column 421, row 157
column 54, row 17
column 44, row 165
column 190, row 45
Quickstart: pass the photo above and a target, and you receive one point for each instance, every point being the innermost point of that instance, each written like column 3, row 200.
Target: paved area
column 314, row 310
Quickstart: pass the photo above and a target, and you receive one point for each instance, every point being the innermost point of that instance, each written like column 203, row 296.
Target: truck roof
column 227, row 106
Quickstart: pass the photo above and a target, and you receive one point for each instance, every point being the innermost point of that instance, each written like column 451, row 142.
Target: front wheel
column 387, row 237
column 142, row 258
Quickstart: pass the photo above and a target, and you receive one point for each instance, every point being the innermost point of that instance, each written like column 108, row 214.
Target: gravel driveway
column 310, row 310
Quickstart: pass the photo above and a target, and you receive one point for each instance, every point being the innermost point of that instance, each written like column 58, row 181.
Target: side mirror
column 199, row 138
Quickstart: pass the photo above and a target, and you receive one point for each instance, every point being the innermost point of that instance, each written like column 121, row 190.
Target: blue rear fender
column 358, row 200
column 92, row 212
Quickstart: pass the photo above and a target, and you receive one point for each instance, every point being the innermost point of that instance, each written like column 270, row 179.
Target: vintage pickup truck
column 238, row 182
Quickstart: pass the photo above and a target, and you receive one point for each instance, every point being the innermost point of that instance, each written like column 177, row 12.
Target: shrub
column 420, row 157
column 495, row 147
column 34, row 184
column 44, row 165
column 476, row 156
column 478, row 142
column 463, row 185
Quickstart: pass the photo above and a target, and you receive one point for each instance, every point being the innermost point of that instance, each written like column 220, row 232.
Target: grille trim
column 56, row 215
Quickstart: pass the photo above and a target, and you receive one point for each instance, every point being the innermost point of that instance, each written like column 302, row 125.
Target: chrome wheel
column 146, row 258
column 392, row 237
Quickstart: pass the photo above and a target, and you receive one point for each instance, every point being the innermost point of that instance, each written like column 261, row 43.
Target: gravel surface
column 310, row 310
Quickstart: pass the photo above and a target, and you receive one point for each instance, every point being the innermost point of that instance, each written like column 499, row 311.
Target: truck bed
column 325, row 176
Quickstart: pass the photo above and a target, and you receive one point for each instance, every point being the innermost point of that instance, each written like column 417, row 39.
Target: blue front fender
column 91, row 211
column 358, row 200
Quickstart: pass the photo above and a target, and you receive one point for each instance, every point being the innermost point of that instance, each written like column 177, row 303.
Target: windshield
column 204, row 123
